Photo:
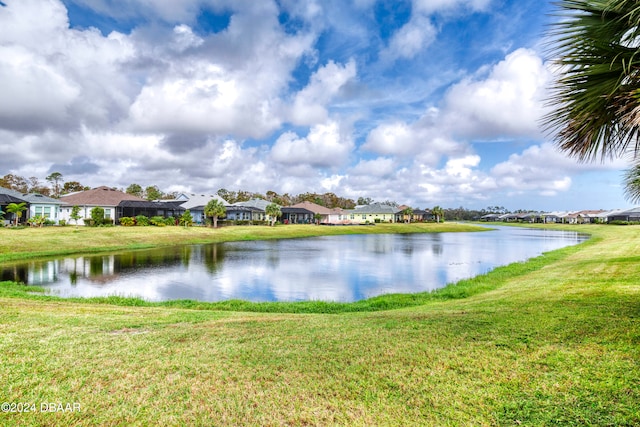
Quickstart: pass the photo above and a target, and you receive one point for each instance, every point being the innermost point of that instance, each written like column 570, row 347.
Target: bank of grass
column 26, row 243
column 550, row 342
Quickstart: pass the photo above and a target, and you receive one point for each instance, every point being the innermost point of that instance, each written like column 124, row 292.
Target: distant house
column 492, row 217
column 104, row 197
column 291, row 215
column 628, row 215
column 375, row 212
column 326, row 215
column 589, row 216
column 37, row 204
column 421, row 215
column 165, row 208
column 251, row 210
column 195, row 204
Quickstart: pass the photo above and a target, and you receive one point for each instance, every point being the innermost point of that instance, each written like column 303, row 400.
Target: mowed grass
column 555, row 341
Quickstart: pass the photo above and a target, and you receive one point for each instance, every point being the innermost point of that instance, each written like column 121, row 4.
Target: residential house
column 375, row 212
column 250, row 210
column 37, row 204
column 164, row 208
column 631, row 215
column 590, row 216
column 195, row 204
column 5, row 200
column 422, row 215
column 104, row 197
column 291, row 215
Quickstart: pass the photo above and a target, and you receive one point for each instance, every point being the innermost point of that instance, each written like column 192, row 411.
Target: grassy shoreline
column 551, row 341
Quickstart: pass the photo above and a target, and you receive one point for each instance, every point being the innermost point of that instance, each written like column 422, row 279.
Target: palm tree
column 16, row 209
column 597, row 92
column 438, row 212
column 274, row 212
column 215, row 208
column 407, row 213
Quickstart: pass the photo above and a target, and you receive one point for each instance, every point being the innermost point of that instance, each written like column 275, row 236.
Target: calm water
column 333, row 268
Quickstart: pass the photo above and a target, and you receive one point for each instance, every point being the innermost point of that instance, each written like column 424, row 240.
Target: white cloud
column 508, row 102
column 417, row 34
column 53, row 76
column 326, row 145
column 310, row 104
column 380, row 167
column 396, row 138
column 409, row 40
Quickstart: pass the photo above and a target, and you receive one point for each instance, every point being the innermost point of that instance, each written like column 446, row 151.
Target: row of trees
column 56, row 188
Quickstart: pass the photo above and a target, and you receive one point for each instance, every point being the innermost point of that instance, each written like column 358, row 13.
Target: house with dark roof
column 291, row 215
column 37, row 205
column 632, row 215
column 250, row 210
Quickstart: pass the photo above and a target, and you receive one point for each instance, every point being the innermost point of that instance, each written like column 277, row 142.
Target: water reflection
column 336, row 268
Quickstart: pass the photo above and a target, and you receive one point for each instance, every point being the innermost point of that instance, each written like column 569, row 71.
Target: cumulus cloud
column 326, row 145
column 310, row 104
column 54, row 77
column 417, row 34
column 508, row 102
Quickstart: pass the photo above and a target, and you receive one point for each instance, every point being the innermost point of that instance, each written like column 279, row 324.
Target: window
column 107, row 214
column 38, row 211
column 353, row 216
column 364, row 216
column 47, row 212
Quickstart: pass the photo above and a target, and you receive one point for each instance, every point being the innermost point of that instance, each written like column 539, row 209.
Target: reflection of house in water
column 43, row 273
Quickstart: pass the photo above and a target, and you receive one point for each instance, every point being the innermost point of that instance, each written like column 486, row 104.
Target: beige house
column 104, row 197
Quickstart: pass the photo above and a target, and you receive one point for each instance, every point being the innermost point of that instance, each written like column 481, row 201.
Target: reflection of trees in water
column 15, row 273
column 213, row 256
column 406, row 244
column 436, row 246
column 273, row 253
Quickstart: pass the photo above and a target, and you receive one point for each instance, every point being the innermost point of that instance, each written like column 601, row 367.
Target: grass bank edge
column 462, row 289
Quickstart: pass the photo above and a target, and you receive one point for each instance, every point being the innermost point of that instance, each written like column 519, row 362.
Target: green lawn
column 555, row 341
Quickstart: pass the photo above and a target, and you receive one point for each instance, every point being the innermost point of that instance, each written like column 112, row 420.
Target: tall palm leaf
column 596, row 98
column 632, row 183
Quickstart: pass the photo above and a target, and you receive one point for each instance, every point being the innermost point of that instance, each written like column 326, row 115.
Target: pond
column 331, row 268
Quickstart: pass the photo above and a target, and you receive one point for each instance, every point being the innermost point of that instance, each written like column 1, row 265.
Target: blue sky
column 425, row 102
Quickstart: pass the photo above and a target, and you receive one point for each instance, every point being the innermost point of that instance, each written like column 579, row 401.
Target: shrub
column 158, row 221
column 142, row 221
column 97, row 215
column 62, row 223
column 127, row 221
column 36, row 221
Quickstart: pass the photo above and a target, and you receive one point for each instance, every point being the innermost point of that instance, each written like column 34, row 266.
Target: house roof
column 236, row 208
column 5, row 199
column 99, row 196
column 376, row 208
column 313, row 207
column 291, row 210
column 28, row 197
column 254, row 203
column 200, row 200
